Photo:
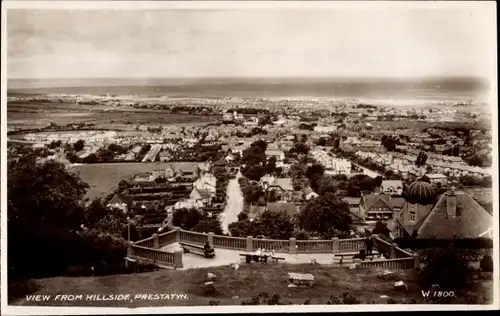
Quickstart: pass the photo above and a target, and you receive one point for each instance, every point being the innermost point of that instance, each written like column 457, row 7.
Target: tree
column 381, row 229
column 421, row 159
column 266, row 120
column 254, row 155
column 299, row 148
column 324, row 214
column 321, row 141
column 271, row 165
column 78, row 146
column 314, row 173
column 46, row 210
column 275, row 225
column 389, row 143
column 253, row 172
column 208, row 225
column 261, row 144
column 186, row 218
column 446, row 267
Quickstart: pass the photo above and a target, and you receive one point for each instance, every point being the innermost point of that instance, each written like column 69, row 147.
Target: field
column 104, row 178
column 232, row 287
column 36, row 115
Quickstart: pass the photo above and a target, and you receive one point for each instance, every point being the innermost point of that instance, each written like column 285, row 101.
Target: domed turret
column 421, row 192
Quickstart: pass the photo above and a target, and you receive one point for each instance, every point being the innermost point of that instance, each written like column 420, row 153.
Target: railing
column 400, row 253
column 193, row 237
column 399, row 263
column 314, row 246
column 154, row 256
column 353, row 244
column 148, row 242
column 230, row 242
column 383, row 246
column 167, row 238
column 272, row 244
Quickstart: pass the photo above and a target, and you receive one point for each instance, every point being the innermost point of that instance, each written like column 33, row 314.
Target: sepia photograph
column 240, row 156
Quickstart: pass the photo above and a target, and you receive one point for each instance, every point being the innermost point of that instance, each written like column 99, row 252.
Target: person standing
column 369, row 245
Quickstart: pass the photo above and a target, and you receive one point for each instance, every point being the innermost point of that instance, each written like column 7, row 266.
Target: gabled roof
column 119, row 199
column 471, row 220
column 398, row 202
column 284, row 183
column 369, row 200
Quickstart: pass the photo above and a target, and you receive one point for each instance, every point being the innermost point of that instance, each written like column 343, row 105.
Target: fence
column 148, row 242
column 167, row 238
column 192, row 237
column 272, row 244
column 154, row 256
column 147, row 248
column 315, row 246
column 396, row 264
column 230, row 242
column 353, row 244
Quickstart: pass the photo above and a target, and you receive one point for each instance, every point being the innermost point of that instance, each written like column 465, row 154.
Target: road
column 234, row 204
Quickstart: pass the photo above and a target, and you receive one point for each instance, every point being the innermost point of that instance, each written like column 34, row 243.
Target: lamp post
column 128, row 228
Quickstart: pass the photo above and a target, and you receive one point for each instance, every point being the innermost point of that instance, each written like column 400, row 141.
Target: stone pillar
column 393, row 250
column 249, row 243
column 156, row 241
column 178, row 234
column 178, row 259
column 293, row 246
column 335, row 244
column 211, row 239
column 416, row 262
column 130, row 250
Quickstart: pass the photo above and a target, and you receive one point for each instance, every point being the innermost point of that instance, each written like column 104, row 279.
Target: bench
column 196, row 249
column 350, row 257
column 260, row 258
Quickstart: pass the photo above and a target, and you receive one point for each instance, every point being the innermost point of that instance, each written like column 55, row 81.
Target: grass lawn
column 103, row 178
column 234, row 287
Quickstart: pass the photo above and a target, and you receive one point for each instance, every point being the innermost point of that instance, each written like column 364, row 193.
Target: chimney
column 451, row 203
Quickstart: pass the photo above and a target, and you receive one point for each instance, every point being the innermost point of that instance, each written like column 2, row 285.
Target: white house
column 392, row 187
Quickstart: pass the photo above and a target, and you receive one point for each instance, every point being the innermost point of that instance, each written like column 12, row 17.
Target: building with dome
column 452, row 215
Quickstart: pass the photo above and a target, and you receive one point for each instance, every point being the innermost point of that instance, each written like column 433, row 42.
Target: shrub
column 445, row 267
column 486, row 264
column 21, row 288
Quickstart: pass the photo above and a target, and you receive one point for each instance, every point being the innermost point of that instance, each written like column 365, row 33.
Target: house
column 436, row 178
column 309, row 193
column 375, row 207
column 456, row 215
column 353, row 203
column 266, row 180
column 279, row 154
column 118, row 201
column 202, row 196
column 282, row 188
column 165, row 156
column 392, row 187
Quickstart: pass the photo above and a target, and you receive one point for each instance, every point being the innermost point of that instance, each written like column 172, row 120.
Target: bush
column 486, row 264
column 21, row 288
column 445, row 267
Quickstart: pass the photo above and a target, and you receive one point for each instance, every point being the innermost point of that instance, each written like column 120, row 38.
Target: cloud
column 247, row 43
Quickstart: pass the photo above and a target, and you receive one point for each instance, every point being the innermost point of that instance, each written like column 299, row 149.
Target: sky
column 344, row 42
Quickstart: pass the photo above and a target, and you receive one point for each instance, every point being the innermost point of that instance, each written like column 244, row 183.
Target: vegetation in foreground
column 251, row 285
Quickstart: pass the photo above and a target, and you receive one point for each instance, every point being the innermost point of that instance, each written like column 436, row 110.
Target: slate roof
column 471, row 220
column 369, row 200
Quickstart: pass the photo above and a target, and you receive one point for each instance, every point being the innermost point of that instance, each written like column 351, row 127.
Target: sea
column 444, row 89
